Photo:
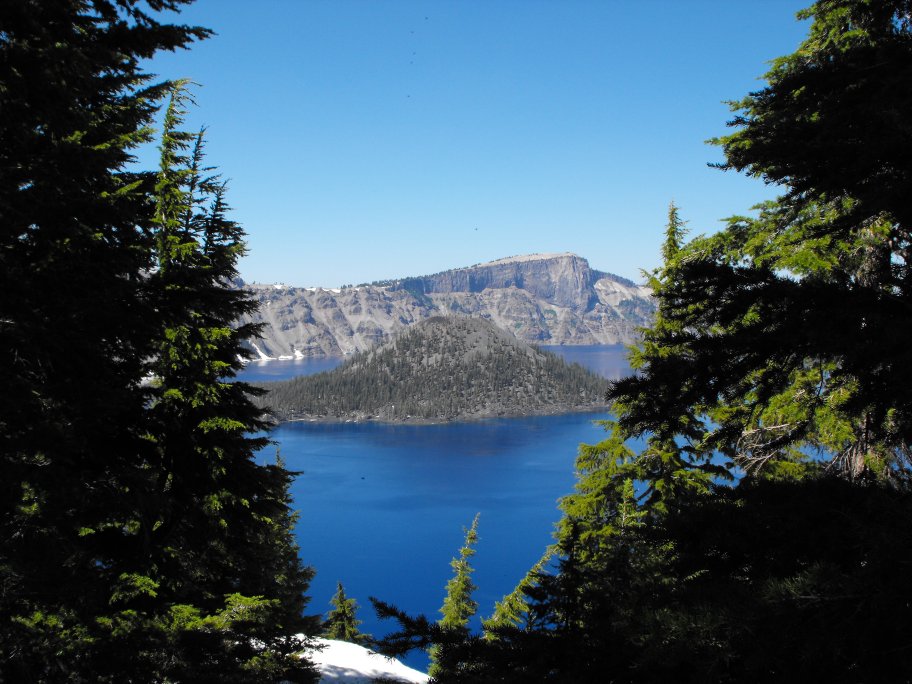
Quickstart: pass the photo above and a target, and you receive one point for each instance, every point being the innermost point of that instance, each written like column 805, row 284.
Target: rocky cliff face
column 541, row 298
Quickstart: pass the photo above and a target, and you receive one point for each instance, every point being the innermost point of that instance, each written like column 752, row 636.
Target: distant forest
column 442, row 369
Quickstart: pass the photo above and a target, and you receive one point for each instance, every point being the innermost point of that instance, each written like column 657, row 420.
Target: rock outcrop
column 549, row 299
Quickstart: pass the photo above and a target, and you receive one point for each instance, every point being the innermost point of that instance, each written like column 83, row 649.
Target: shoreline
column 472, row 418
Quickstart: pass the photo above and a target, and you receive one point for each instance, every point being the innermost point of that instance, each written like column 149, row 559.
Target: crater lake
column 383, row 507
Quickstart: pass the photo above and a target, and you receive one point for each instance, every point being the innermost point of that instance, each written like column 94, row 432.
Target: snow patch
column 340, row 662
column 263, row 357
column 612, row 293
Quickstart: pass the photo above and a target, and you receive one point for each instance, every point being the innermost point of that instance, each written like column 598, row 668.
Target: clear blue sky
column 369, row 140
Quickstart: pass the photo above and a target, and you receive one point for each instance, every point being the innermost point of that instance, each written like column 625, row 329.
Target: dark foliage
column 441, row 369
column 788, row 329
column 342, row 621
column 762, row 532
column 139, row 539
column 727, row 588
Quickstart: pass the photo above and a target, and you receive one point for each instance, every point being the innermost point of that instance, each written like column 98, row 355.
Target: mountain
column 540, row 298
column 445, row 368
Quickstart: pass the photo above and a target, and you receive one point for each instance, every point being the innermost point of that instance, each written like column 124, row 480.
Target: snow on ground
column 263, row 357
column 340, row 662
column 612, row 292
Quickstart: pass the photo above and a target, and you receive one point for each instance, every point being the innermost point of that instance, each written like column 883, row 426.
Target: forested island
column 445, row 368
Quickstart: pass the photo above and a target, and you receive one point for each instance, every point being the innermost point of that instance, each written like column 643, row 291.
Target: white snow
column 298, row 354
column 285, row 357
column 340, row 662
column 611, row 292
column 263, row 357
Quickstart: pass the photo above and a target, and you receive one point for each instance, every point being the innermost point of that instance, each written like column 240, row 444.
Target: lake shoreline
column 382, row 505
column 378, row 420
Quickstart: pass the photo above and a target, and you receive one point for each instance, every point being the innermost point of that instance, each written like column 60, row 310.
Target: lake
column 382, row 507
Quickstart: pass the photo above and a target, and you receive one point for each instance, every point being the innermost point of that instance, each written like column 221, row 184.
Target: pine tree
column 76, row 321
column 777, row 338
column 514, row 610
column 785, row 330
column 141, row 539
column 458, row 605
column 674, row 234
column 780, row 338
column 223, row 519
column 342, row 622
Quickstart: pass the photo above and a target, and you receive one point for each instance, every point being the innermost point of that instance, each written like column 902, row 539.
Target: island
column 445, row 368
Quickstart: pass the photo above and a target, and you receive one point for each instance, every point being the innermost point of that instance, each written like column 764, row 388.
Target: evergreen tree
column 759, row 531
column 76, row 321
column 674, row 234
column 514, row 609
column 141, row 540
column 342, row 622
column 777, row 338
column 785, row 330
column 458, row 605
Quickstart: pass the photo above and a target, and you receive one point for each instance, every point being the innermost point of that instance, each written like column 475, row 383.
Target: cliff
column 547, row 299
column 445, row 368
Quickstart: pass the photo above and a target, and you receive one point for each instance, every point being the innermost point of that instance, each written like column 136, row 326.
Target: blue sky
column 370, row 140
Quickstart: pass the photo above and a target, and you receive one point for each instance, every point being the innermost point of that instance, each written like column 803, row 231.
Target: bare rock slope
column 542, row 298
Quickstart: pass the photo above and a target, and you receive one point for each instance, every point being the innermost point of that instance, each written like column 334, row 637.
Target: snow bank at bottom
column 340, row 662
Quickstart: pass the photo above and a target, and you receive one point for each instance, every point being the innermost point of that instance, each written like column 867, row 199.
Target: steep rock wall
column 545, row 299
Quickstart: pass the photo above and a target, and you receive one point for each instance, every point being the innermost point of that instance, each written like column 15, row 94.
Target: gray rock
column 540, row 298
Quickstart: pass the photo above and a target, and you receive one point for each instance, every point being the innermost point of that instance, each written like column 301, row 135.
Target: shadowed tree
column 140, row 538
column 342, row 621
column 757, row 528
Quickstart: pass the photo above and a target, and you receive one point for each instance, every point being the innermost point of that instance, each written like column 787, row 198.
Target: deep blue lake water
column 383, row 507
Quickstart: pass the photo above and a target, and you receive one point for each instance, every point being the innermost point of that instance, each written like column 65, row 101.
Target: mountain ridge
column 554, row 299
